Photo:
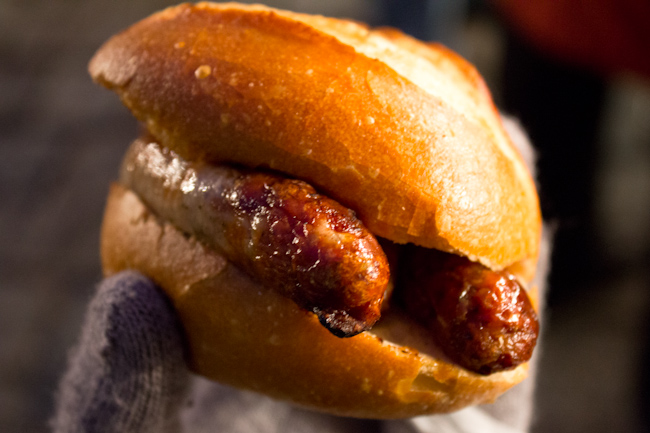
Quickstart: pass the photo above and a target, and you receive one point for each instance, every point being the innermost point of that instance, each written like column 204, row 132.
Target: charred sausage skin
column 279, row 231
column 482, row 319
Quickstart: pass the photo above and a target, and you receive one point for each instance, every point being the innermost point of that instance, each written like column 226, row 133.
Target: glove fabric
column 128, row 373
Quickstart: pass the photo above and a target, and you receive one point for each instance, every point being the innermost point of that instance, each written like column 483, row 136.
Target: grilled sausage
column 280, row 231
column 482, row 319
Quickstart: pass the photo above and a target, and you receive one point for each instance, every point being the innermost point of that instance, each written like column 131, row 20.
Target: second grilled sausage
column 482, row 319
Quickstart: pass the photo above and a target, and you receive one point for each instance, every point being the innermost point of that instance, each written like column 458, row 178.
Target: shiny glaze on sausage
column 280, row 231
column 482, row 319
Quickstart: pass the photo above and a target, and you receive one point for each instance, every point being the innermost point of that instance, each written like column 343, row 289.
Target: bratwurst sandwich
column 336, row 213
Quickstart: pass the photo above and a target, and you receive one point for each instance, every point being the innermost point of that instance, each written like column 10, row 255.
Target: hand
column 128, row 372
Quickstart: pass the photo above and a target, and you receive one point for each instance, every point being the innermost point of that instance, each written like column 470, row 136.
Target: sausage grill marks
column 279, row 231
column 316, row 252
column 482, row 319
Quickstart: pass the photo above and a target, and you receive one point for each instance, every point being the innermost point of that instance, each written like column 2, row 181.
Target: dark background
column 61, row 140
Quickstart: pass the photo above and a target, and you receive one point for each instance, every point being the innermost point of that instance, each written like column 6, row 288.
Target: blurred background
column 576, row 73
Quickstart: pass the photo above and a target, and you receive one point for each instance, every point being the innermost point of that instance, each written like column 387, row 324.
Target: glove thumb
column 128, row 372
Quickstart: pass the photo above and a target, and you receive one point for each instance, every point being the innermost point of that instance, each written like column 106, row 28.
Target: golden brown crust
column 250, row 337
column 403, row 133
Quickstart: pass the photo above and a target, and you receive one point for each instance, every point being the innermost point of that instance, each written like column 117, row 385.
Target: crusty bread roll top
column 403, row 133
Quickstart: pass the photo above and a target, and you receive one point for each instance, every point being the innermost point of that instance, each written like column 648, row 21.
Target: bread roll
column 403, row 133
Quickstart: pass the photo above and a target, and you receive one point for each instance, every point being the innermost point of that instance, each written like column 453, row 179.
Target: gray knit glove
column 128, row 373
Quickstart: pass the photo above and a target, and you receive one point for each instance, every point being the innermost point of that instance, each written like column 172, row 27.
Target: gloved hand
column 129, row 375
column 128, row 372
